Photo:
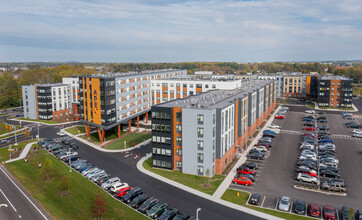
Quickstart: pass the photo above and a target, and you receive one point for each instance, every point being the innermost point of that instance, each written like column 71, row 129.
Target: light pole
column 16, row 140
column 197, row 213
column 70, row 162
column 20, row 124
column 38, row 131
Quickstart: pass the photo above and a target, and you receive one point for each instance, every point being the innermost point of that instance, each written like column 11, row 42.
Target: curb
column 36, row 122
column 320, row 191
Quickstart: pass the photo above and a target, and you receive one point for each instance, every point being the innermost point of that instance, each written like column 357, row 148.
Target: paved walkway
column 23, row 153
column 355, row 109
column 102, row 149
column 201, row 194
column 36, row 122
column 226, row 182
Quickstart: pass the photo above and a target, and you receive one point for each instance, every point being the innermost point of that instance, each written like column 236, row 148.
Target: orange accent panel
column 308, row 84
column 88, row 100
column 96, row 101
column 199, row 90
column 158, row 94
column 174, row 135
column 84, row 97
column 164, row 88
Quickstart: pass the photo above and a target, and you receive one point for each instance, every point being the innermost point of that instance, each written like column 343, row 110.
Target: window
column 191, row 85
column 213, row 119
column 178, row 129
column 200, row 158
column 200, row 145
column 200, row 170
column 332, row 83
column 178, row 141
column 200, row 132
column 178, row 164
column 200, row 119
column 178, row 152
column 178, row 116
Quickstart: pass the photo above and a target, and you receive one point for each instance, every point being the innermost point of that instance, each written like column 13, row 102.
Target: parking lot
column 276, row 175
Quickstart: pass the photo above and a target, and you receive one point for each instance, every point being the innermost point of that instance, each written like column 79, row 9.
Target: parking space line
column 8, row 201
column 276, row 205
column 262, row 203
column 337, row 214
column 291, row 207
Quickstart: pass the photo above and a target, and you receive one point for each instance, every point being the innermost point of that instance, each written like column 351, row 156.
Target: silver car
column 106, row 185
column 284, row 203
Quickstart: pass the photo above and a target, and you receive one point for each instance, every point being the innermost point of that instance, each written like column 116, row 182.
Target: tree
column 208, row 177
column 47, row 168
column 64, row 186
column 99, row 205
column 27, row 133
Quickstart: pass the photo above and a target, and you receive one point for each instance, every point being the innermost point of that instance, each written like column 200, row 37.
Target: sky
column 180, row 31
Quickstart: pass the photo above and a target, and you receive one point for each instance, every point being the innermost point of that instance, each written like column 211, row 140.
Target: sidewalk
column 225, row 184
column 43, row 123
column 201, row 194
column 355, row 109
column 23, row 153
column 102, row 149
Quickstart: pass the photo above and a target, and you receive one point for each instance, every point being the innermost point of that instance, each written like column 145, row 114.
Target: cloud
column 170, row 31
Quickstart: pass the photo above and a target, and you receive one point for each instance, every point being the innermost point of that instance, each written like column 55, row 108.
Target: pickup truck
column 334, row 186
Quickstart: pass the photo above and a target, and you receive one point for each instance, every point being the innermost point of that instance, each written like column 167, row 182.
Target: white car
column 308, row 153
column 89, row 176
column 60, row 133
column 307, row 145
column 306, row 168
column 302, row 157
column 118, row 186
column 106, row 185
column 310, row 111
column 261, row 148
column 67, row 154
column 306, row 178
column 357, row 131
column 274, row 126
column 85, row 172
column 285, row 203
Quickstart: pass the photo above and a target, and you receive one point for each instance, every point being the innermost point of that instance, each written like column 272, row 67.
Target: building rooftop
column 48, row 84
column 195, row 78
column 334, row 78
column 135, row 73
column 216, row 98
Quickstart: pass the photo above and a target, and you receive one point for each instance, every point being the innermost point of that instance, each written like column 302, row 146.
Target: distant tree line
column 10, row 86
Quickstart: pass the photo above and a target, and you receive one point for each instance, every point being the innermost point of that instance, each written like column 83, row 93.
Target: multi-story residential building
column 293, row 85
column 73, row 82
column 242, row 77
column 335, row 92
column 109, row 100
column 46, row 101
column 280, row 83
column 311, row 86
column 164, row 90
column 204, row 132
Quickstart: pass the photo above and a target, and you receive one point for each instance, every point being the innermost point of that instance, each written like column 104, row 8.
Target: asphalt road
column 277, row 174
column 15, row 203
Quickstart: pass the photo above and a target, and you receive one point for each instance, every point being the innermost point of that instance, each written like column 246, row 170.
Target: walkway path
column 43, row 123
column 23, row 153
column 201, row 194
column 226, row 182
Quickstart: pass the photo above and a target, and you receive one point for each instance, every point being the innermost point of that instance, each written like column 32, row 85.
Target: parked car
column 60, row 133
column 333, row 186
column 307, row 172
column 274, row 126
column 146, row 205
column 168, row 214
column 355, row 125
column 329, row 173
column 357, row 131
column 358, row 215
column 348, row 117
column 321, row 118
column 138, row 200
column 66, row 141
column 357, row 135
column 129, row 196
column 334, row 169
column 326, row 140
column 309, row 128
column 99, row 176
column 71, row 158
column 250, row 165
column 73, row 145
column 255, row 155
column 308, row 119
column 308, row 124
column 262, row 143
column 248, row 176
column 267, row 134
column 284, row 203
column 242, row 181
column 321, row 113
column 323, row 127
column 314, row 210
column 322, row 121
column 261, row 148
column 101, row 180
column 123, row 191
column 181, row 216
column 118, row 186
column 254, row 199
column 310, row 134
column 106, row 185
column 66, row 154
column 299, row 207
column 309, row 116
column 157, row 210
column 279, row 116
column 329, row 213
column 345, row 213
column 307, row 178
column 269, row 131
column 310, row 111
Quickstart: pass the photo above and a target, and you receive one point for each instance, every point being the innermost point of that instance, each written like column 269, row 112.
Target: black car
column 255, row 199
column 323, row 136
column 168, row 214
column 100, row 181
column 322, row 118
column 255, row 151
column 345, row 213
column 130, row 195
column 322, row 121
column 255, row 155
column 323, row 132
column 307, row 124
column 351, row 122
column 323, row 127
column 321, row 113
column 136, row 202
column 72, row 158
column 66, row 141
column 148, row 204
column 309, row 165
column 267, row 134
column 329, row 173
column 181, row 216
column 354, row 125
column 73, row 145
column 251, row 165
column 358, row 215
column 299, row 207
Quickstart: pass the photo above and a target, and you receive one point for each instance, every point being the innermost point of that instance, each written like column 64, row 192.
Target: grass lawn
column 130, row 138
column 38, row 120
column 110, row 134
column 4, row 130
column 4, row 153
column 231, row 196
column 193, row 181
column 76, row 205
column 357, row 90
column 310, row 105
column 74, row 130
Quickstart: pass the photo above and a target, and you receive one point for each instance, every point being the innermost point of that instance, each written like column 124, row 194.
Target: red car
column 305, row 171
column 123, row 191
column 242, row 180
column 245, row 170
column 329, row 213
column 314, row 210
column 310, row 134
column 280, row 116
column 309, row 128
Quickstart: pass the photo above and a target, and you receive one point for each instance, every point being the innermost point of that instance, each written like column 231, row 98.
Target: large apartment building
column 164, row 90
column 46, row 101
column 109, row 100
column 335, row 92
column 205, row 131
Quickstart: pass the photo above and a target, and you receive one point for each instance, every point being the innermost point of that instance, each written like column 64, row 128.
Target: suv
column 306, row 178
column 157, row 210
column 106, row 185
column 147, row 205
column 333, row 186
column 138, row 200
column 127, row 198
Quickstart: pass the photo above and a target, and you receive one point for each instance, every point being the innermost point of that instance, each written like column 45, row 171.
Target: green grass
column 76, row 205
column 38, row 120
column 74, row 130
column 193, row 181
column 110, row 135
column 4, row 153
column 310, row 105
column 231, row 196
column 357, row 91
column 342, row 109
column 130, row 138
column 4, row 130
column 12, row 134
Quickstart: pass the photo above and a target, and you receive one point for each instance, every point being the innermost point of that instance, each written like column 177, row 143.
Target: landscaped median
column 203, row 184
column 64, row 194
column 77, row 130
column 38, row 120
column 241, row 199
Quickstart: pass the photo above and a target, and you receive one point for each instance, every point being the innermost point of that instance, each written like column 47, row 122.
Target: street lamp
column 20, row 124
column 197, row 213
